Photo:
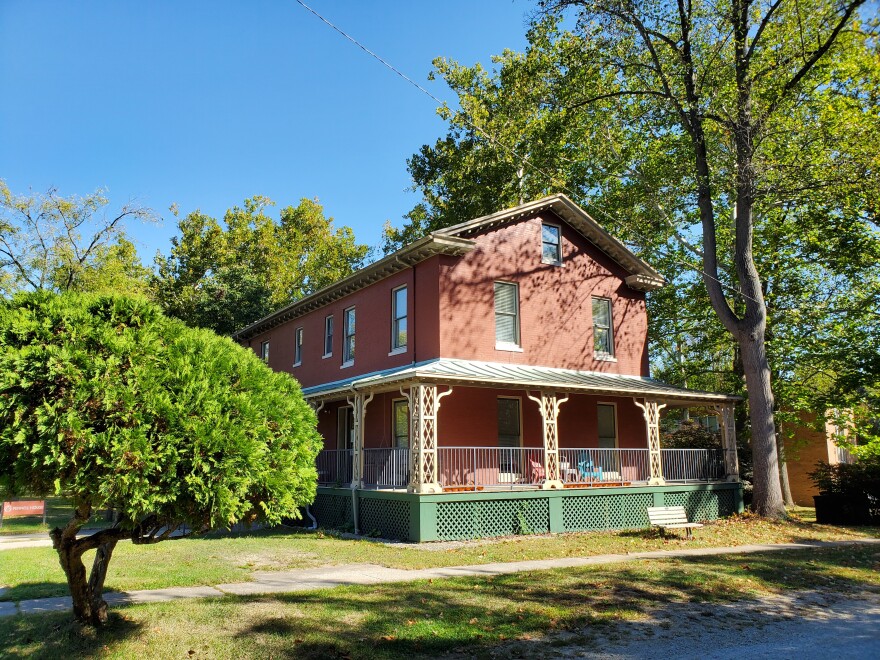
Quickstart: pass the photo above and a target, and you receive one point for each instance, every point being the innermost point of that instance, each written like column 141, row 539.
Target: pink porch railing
column 500, row 468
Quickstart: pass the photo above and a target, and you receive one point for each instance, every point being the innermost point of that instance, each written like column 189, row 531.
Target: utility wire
column 524, row 160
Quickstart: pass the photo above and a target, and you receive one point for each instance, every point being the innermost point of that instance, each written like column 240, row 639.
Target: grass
column 472, row 615
column 34, row 572
column 58, row 512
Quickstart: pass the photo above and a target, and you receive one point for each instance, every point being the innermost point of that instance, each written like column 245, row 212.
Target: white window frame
column 328, row 334
column 264, row 351
column 515, row 346
column 347, row 360
column 616, row 423
column 394, row 436
column 297, row 346
column 603, row 355
column 395, row 349
column 557, row 262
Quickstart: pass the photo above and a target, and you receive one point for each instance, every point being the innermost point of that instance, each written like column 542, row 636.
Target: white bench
column 670, row 517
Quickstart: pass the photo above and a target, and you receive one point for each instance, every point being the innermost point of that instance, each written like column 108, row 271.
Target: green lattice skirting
column 403, row 516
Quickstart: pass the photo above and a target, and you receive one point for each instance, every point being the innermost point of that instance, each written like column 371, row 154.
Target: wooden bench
column 670, row 517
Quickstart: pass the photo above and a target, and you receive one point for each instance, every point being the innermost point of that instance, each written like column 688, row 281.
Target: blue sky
column 205, row 103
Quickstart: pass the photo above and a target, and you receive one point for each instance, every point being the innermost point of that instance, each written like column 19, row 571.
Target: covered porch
column 507, row 428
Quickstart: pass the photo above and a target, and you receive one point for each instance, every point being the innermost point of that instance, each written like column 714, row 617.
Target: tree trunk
column 96, row 582
column 75, row 571
column 783, row 470
column 765, row 462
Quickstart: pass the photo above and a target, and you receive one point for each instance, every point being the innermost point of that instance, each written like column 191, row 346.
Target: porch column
column 651, row 410
column 727, row 423
column 424, row 403
column 358, row 405
column 549, row 406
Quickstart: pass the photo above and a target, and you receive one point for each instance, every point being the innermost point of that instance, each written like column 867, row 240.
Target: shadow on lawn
column 472, row 615
column 57, row 636
column 469, row 616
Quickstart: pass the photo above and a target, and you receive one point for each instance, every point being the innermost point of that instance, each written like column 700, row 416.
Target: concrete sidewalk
column 267, row 582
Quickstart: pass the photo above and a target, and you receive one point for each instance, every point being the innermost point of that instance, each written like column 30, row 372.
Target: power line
column 524, row 160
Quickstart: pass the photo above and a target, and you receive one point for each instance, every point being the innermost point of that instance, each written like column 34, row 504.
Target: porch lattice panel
column 483, row 518
column 623, row 511
column 386, row 518
column 333, row 511
column 699, row 504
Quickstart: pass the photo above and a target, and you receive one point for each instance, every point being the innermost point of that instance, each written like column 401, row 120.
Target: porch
column 477, row 469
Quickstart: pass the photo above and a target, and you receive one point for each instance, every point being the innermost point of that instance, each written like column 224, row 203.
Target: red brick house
column 491, row 378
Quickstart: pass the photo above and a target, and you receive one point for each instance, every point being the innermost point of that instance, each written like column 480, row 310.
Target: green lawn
column 430, row 618
column 34, row 572
column 58, row 512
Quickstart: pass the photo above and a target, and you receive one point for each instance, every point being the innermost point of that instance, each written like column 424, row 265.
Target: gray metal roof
column 495, row 374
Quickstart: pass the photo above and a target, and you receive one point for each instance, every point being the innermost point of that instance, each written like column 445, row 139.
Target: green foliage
column 107, row 400
column 858, row 480
column 226, row 276
column 581, row 111
column 54, row 243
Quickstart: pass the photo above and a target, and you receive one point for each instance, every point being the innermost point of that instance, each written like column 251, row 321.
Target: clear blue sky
column 205, row 103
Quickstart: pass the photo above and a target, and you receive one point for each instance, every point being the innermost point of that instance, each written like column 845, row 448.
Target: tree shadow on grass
column 56, row 635
column 475, row 615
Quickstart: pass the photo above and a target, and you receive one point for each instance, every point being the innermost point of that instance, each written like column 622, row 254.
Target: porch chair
column 588, row 471
column 537, row 472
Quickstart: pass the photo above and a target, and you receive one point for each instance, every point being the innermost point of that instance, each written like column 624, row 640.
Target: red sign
column 24, row 508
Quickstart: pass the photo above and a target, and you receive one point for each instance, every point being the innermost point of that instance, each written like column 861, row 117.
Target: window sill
column 552, row 263
column 346, row 365
column 398, row 351
column 326, row 355
column 513, row 348
column 604, row 357
column 297, row 364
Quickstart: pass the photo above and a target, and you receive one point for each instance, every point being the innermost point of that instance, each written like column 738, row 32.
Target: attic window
column 551, row 244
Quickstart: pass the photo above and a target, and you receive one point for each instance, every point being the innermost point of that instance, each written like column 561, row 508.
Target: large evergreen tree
column 107, row 401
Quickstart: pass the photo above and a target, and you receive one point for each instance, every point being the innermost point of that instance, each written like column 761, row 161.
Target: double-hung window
column 551, row 244
column 398, row 319
column 506, row 315
column 348, row 337
column 264, row 351
column 328, row 336
column 603, row 336
column 297, row 347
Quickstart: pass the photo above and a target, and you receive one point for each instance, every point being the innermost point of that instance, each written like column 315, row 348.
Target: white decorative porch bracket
column 727, row 424
column 424, row 403
column 549, row 406
column 652, row 409
column 358, row 405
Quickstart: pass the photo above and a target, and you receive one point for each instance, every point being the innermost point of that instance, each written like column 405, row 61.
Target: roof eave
column 406, row 257
column 648, row 278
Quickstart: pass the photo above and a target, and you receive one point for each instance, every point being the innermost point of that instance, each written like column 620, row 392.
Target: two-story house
column 492, row 378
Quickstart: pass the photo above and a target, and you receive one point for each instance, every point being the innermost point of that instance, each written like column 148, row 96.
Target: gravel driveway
column 802, row 625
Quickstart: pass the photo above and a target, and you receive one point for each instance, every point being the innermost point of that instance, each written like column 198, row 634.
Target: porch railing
column 500, row 468
column 687, row 465
column 604, row 466
column 334, row 467
column 474, row 468
column 386, row 468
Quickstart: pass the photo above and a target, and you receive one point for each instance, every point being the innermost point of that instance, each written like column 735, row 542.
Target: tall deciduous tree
column 704, row 131
column 225, row 276
column 106, row 400
column 54, row 243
